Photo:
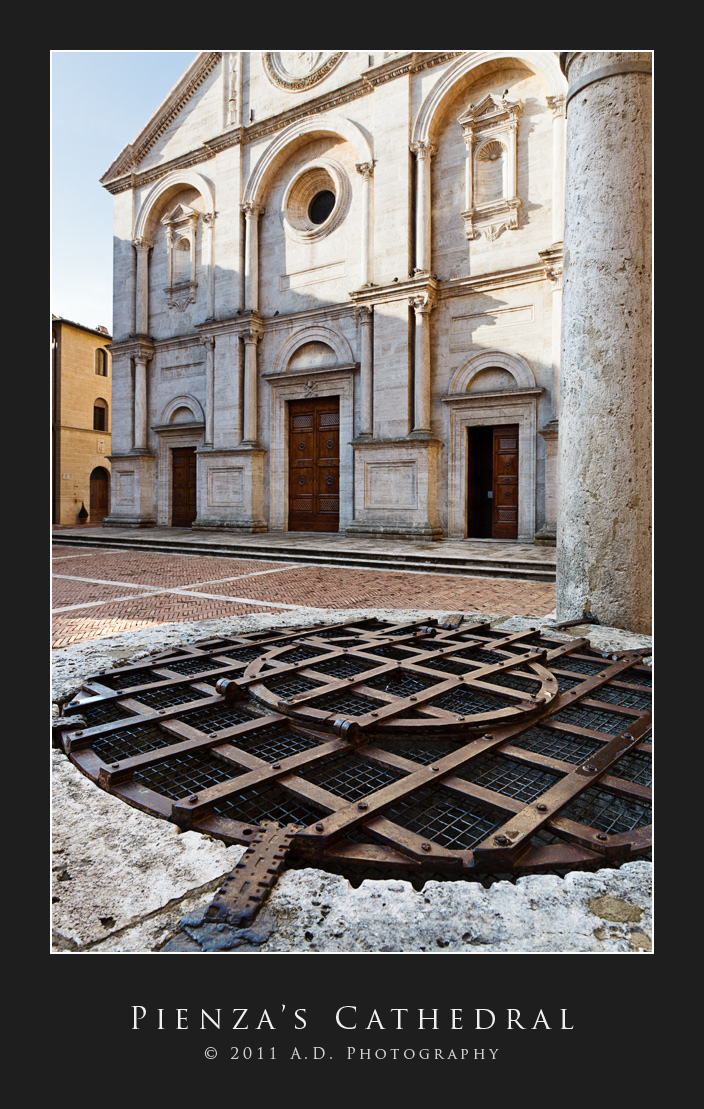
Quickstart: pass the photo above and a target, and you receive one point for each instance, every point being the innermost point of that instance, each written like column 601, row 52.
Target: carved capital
column 363, row 313
column 423, row 150
column 209, row 219
column 252, row 211
column 253, row 333
column 142, row 246
column 208, row 342
column 422, row 304
column 557, row 105
column 365, row 169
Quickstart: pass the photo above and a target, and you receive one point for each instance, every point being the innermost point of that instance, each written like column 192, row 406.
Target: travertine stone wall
column 604, row 527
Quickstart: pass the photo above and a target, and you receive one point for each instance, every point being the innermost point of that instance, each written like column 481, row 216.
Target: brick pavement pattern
column 254, row 586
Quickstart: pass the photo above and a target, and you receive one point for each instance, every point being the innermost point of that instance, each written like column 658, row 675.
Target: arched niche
column 306, row 349
column 472, row 375
column 157, row 199
column 181, row 410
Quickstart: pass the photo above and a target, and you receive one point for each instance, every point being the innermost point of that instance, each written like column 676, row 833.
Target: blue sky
column 100, row 100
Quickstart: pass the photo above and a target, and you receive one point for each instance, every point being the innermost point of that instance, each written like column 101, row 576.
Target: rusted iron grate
column 393, row 748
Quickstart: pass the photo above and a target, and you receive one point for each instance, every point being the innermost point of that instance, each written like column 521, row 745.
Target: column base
column 128, row 522
column 249, row 527
column 546, row 537
column 414, row 534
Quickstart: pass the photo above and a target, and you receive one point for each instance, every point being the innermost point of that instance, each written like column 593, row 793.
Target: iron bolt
column 501, row 841
column 276, row 766
column 542, row 808
column 79, row 733
column 161, row 712
column 588, row 766
column 425, row 846
column 213, row 735
column 318, row 827
column 362, row 805
column 435, row 768
column 192, row 800
column 600, row 835
column 115, row 765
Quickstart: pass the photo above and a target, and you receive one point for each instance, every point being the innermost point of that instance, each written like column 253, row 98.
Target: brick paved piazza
column 105, row 592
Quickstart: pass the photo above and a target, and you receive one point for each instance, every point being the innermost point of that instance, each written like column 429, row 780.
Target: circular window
column 315, row 200
column 321, row 206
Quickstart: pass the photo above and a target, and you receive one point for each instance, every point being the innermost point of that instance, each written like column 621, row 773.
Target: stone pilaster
column 422, row 306
column 252, row 212
column 604, row 488
column 365, row 316
column 366, row 171
column 251, row 338
column 208, row 342
column 423, row 152
column 142, row 247
column 548, row 532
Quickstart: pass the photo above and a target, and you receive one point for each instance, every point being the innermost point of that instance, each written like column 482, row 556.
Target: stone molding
column 171, row 182
column 276, row 71
column 312, row 334
column 422, row 285
column 517, row 366
column 185, row 400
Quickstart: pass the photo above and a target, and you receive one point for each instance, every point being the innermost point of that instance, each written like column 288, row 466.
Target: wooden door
column 184, row 487
column 504, row 523
column 314, row 464
column 99, row 494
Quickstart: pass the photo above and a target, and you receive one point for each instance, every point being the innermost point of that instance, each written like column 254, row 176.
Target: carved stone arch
column 493, row 360
column 340, row 348
column 164, row 189
column 279, row 149
column 544, row 63
column 185, row 400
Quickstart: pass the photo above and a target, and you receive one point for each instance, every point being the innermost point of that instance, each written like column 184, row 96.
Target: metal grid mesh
column 274, row 741
column 346, row 666
column 594, row 719
column 607, row 812
column 297, row 654
column 387, row 650
column 216, row 717
column 351, row 777
column 448, row 819
column 634, row 768
column 557, row 745
column 564, row 683
column 423, row 752
column 242, row 654
column 466, row 701
column 186, row 774
column 637, row 677
column 128, row 679
column 269, row 802
column 490, row 658
column 629, row 698
column 352, row 704
column 193, row 665
column 503, row 775
column 102, row 713
column 402, row 683
column 515, row 681
column 168, row 696
column 131, row 741
column 581, row 665
column 447, row 665
column 290, row 684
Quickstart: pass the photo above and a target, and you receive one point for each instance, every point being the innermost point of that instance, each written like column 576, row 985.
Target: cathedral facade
column 337, row 296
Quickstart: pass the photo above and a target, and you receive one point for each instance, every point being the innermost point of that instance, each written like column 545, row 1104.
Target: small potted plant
column 83, row 514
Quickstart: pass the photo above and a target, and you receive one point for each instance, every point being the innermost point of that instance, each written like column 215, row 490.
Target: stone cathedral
column 337, row 296
column 338, row 286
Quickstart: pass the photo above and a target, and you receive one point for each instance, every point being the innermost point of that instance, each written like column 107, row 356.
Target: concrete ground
column 123, row 881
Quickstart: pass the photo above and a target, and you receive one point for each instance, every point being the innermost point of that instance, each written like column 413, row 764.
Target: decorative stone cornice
column 278, row 76
column 423, row 285
column 408, row 62
column 141, row 348
column 135, row 152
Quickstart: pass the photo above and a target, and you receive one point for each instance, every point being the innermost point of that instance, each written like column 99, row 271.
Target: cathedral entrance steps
column 472, row 558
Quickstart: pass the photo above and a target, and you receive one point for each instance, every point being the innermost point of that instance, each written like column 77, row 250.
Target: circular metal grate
column 388, row 748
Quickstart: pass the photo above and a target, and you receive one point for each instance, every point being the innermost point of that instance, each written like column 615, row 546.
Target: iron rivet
column 192, row 800
column 600, row 835
column 362, row 805
column 79, row 733
column 589, row 766
column 276, row 766
column 412, row 697
column 318, row 827
column 213, row 735
column 628, row 737
column 114, row 765
column 161, row 712
column 375, row 714
column 435, row 768
column 542, row 808
column 425, row 846
column 500, row 841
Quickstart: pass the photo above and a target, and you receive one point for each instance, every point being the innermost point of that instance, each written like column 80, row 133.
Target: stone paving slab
column 128, row 899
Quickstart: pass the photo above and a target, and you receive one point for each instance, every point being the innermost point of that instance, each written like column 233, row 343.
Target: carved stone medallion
column 296, row 70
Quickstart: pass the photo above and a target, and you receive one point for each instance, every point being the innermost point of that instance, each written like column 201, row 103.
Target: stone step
column 520, row 569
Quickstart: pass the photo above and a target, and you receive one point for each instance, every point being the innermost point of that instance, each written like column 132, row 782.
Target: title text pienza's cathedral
column 338, row 286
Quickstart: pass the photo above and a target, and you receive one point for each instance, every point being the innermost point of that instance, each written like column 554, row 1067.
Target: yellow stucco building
column 81, row 418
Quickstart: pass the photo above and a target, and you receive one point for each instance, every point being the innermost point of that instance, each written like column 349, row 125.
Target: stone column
column 208, row 342
column 140, row 399
column 366, row 169
column 365, row 317
column 423, row 306
column 208, row 258
column 142, row 246
column 251, row 338
column 423, row 152
column 252, row 212
column 604, row 483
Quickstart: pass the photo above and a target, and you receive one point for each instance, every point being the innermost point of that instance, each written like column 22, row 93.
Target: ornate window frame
column 494, row 121
column 312, row 178
column 180, row 226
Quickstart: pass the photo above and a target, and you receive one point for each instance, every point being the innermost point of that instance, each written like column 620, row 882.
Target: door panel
column 504, row 524
column 183, row 487
column 314, row 465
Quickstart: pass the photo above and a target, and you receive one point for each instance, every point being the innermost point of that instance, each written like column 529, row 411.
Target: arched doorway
column 99, row 494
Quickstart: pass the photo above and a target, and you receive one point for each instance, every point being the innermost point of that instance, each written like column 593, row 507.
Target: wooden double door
column 183, row 487
column 492, row 482
column 314, row 464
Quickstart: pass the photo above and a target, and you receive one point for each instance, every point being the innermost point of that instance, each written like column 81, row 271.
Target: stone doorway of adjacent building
column 183, row 487
column 492, row 482
column 314, row 464
column 99, row 494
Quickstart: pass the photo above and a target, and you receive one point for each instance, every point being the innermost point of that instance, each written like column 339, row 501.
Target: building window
column 100, row 416
column 101, row 362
